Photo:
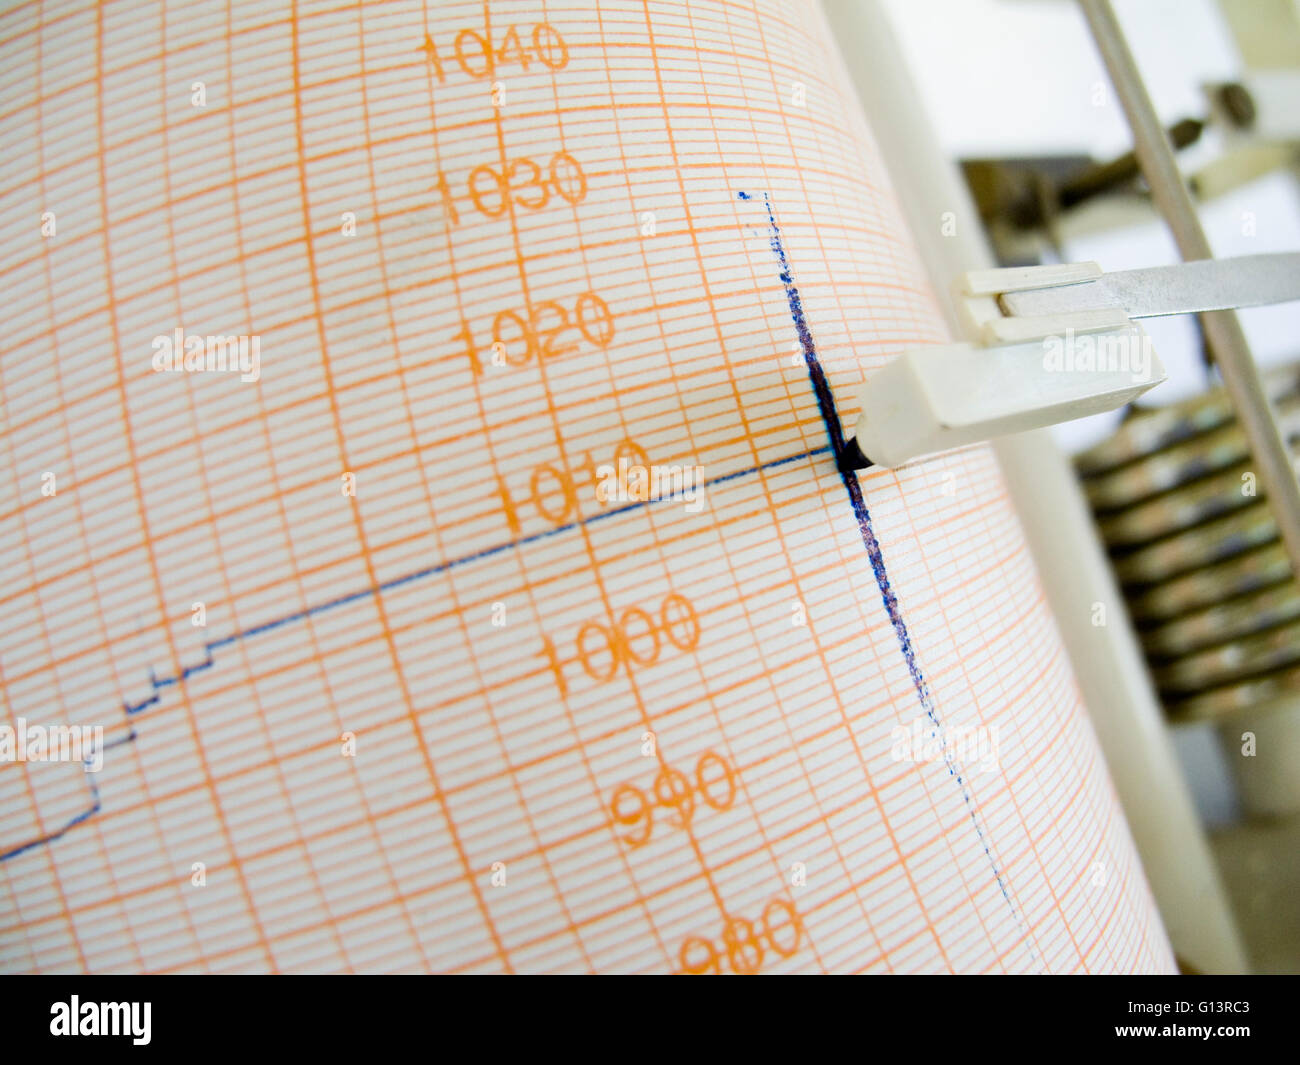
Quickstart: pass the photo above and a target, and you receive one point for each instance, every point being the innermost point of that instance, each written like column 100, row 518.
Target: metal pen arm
column 1222, row 328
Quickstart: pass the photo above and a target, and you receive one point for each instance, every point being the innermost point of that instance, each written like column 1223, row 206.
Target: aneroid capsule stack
column 1206, row 579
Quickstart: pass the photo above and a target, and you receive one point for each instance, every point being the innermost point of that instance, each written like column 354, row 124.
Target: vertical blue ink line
column 830, row 417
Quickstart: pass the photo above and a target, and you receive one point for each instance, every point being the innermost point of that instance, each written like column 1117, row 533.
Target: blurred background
column 1018, row 97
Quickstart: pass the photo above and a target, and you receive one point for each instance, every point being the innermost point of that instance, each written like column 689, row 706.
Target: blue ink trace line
column 830, row 417
column 84, row 815
column 157, row 684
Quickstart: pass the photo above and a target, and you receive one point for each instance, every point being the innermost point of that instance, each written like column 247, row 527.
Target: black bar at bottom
column 335, row 1017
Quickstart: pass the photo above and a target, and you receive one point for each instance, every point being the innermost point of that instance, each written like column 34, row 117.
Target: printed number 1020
column 545, row 331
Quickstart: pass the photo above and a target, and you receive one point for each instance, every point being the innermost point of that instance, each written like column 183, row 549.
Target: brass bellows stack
column 1207, row 582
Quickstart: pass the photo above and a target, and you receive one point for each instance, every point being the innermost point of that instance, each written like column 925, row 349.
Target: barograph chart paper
column 418, row 448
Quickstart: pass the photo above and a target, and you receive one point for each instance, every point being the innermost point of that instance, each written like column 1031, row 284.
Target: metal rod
column 1222, row 329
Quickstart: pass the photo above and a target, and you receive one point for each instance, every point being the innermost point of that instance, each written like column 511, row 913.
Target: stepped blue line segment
column 159, row 683
column 830, row 416
column 85, row 814
column 443, row 567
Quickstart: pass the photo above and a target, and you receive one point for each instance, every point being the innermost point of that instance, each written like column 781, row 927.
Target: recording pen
column 1052, row 343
